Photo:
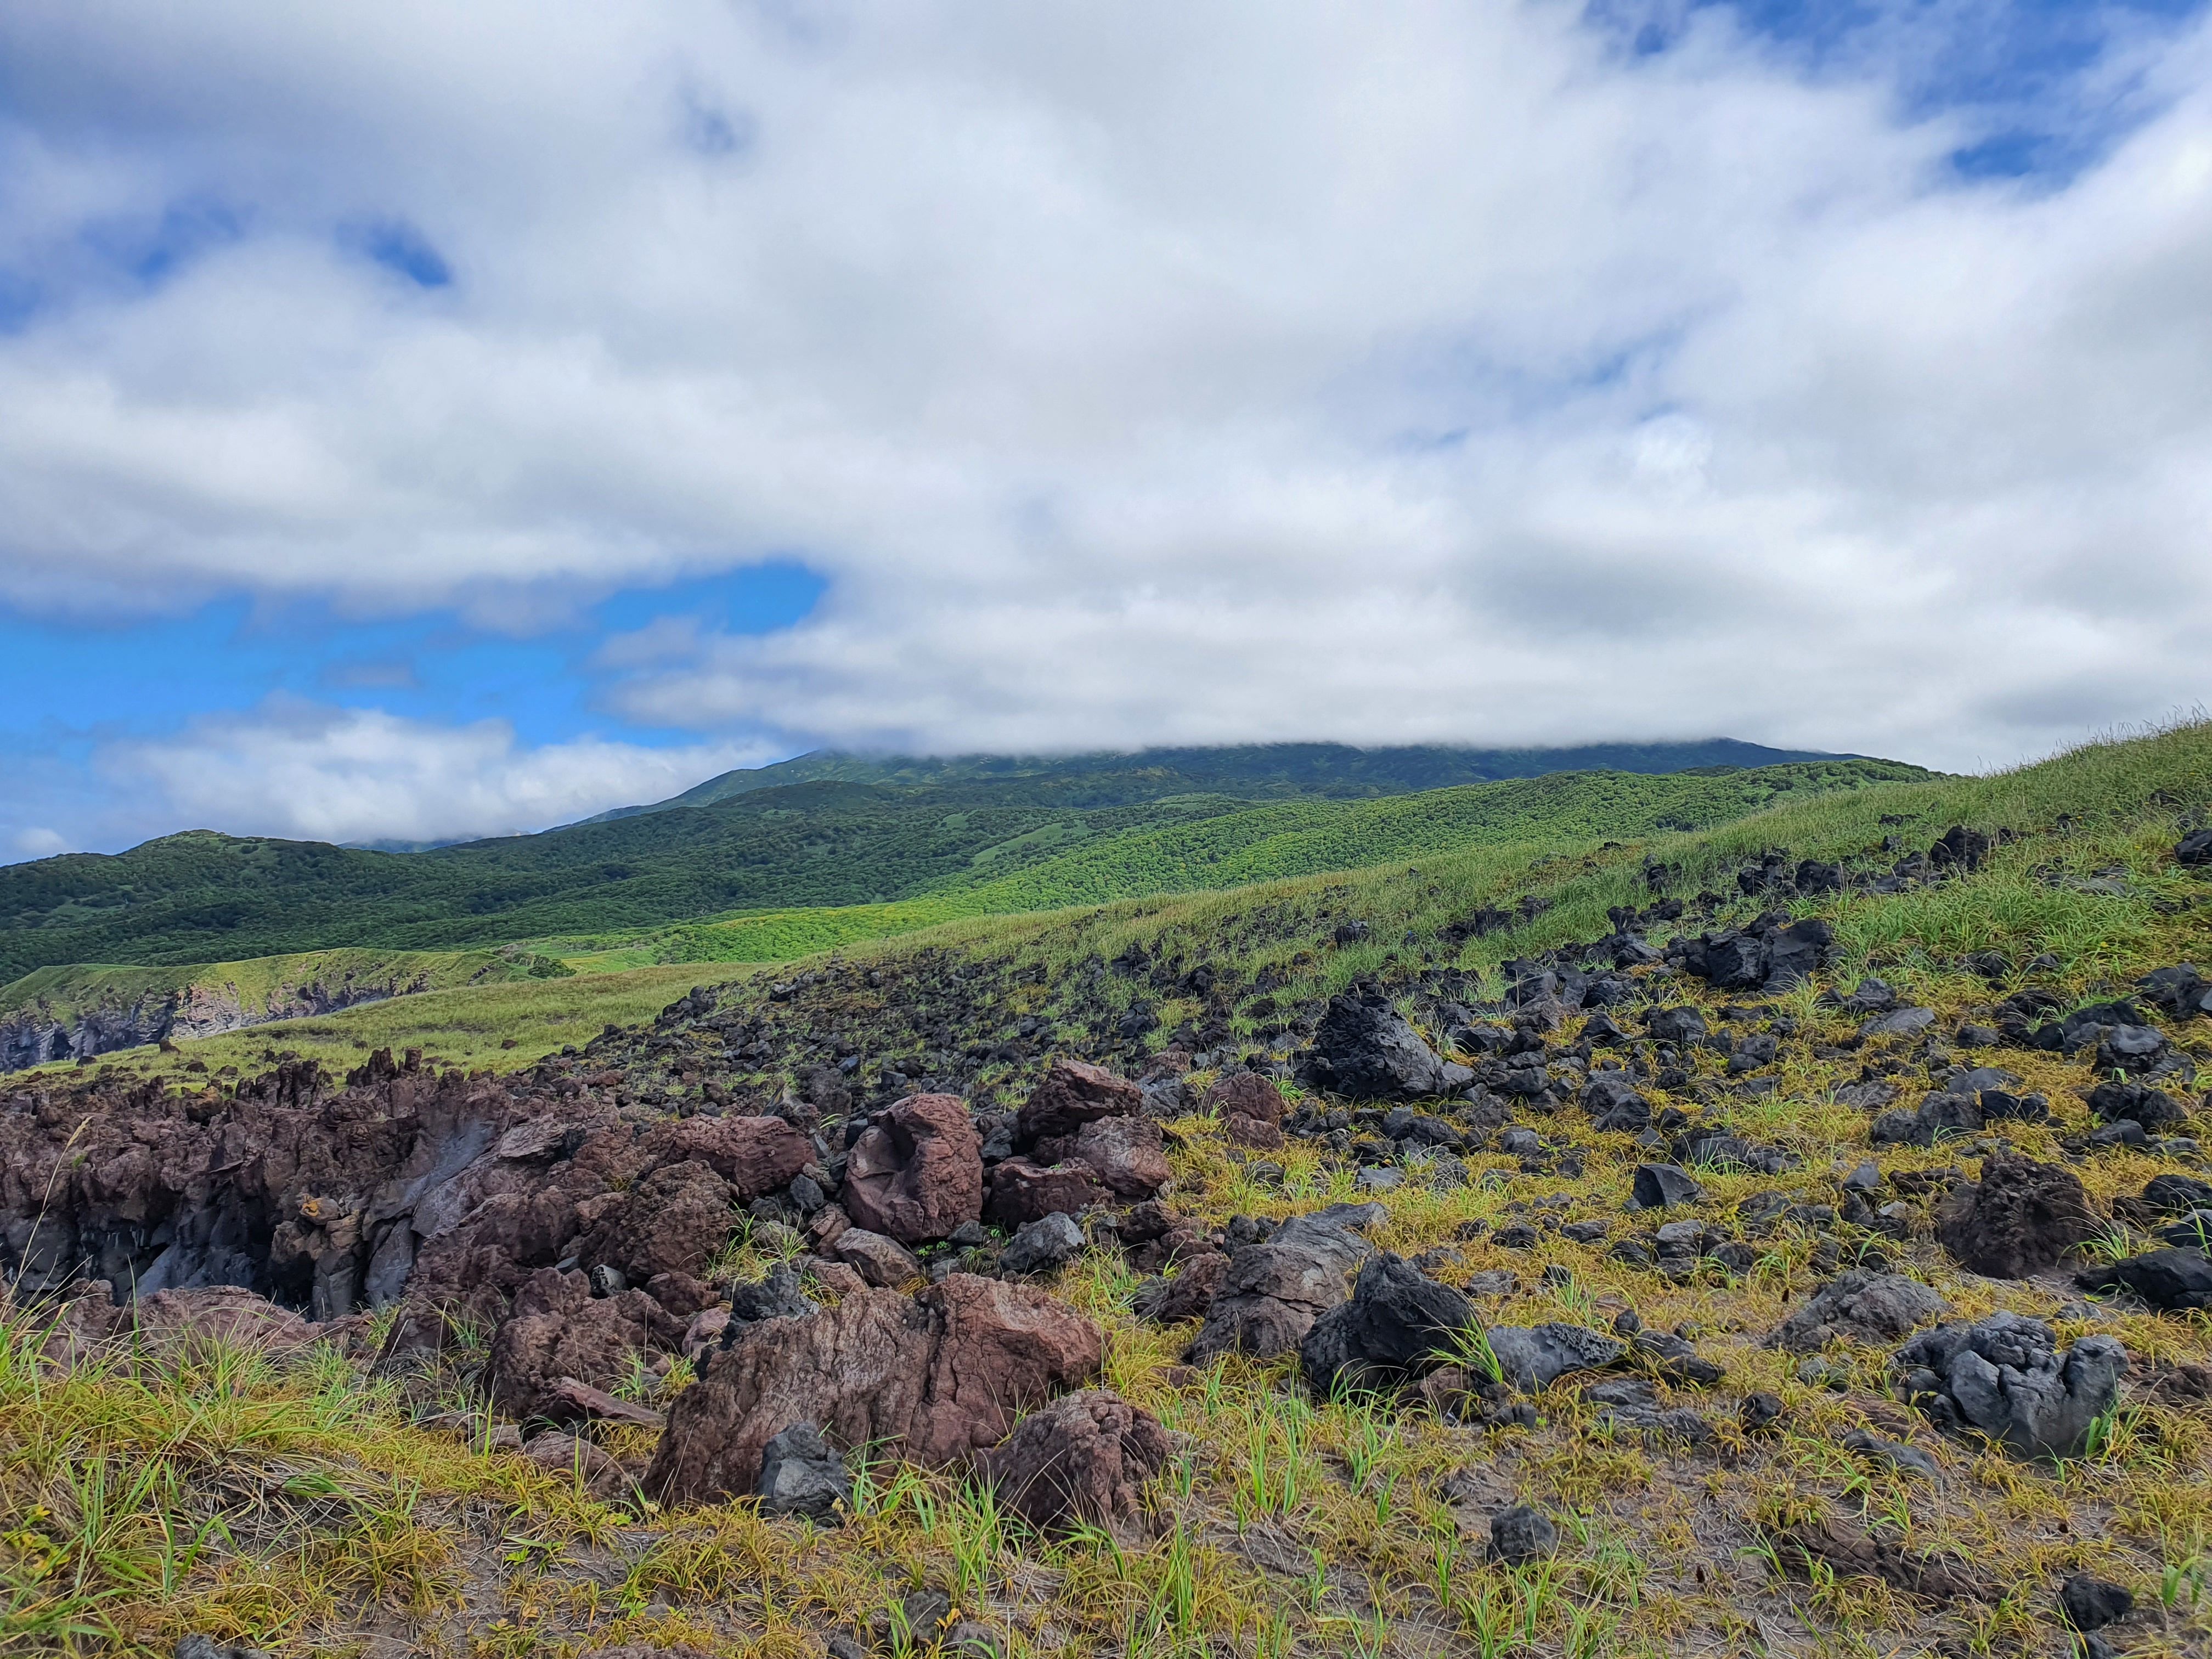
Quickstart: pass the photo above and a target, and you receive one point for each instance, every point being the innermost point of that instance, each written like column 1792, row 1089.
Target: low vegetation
column 307, row 1506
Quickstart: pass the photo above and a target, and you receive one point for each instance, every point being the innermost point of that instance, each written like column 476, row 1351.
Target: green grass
column 1291, row 838
column 201, row 896
column 500, row 1025
column 297, row 1508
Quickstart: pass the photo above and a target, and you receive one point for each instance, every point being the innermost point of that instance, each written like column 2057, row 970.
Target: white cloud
column 1140, row 373
column 304, row 770
column 38, row 842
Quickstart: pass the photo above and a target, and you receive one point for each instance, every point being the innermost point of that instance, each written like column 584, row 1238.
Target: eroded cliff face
column 39, row 1034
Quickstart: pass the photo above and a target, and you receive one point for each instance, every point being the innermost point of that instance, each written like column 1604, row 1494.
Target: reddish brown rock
column 1184, row 1244
column 1023, row 1190
column 570, row 1401
column 1245, row 1094
column 757, row 1155
column 680, row 1293
column 943, row 1374
column 1072, row 1095
column 567, row 1458
column 1128, row 1156
column 559, row 1329
column 916, row 1173
column 1084, row 1457
column 1188, row 1294
column 855, row 1370
column 882, row 1261
column 2021, row 1217
column 673, row 1220
column 1257, row 1135
column 1004, row 1348
column 219, row 1313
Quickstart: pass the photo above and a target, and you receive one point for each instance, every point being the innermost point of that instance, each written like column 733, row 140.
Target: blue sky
column 404, row 436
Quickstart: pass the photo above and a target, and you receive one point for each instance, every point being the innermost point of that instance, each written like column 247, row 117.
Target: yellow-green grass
column 256, row 984
column 299, row 1510
column 502, row 1026
column 2123, row 800
column 1287, row 839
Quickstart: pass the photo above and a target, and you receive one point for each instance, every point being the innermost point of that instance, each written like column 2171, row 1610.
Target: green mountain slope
column 202, row 896
column 1251, row 771
column 1289, row 838
column 58, row 1013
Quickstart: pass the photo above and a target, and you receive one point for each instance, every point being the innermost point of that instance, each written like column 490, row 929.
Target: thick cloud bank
column 1141, row 372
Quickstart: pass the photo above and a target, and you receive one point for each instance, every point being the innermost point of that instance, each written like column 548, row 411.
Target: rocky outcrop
column 942, row 1374
column 2018, row 1218
column 1364, row 1049
column 1084, row 1458
column 559, row 1329
column 916, row 1171
column 400, row 1181
column 2005, row 1377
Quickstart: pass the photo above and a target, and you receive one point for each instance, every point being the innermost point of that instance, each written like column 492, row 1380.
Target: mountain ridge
column 1411, row 766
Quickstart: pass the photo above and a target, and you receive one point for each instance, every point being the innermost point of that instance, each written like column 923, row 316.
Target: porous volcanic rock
column 1859, row 1307
column 1084, row 1457
column 1273, row 1291
column 2005, row 1376
column 917, row 1172
column 2175, row 1280
column 943, row 1374
column 2018, row 1218
column 1127, row 1155
column 1251, row 1107
column 1023, row 1190
column 1364, row 1049
column 559, row 1329
column 1398, row 1324
column 1074, row 1093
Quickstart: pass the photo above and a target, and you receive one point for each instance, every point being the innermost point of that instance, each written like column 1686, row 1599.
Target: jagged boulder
column 559, row 1329
column 1535, row 1358
column 2018, row 1218
column 1074, row 1093
column 1859, row 1307
column 1023, row 1190
column 801, row 1473
column 1398, row 1324
column 2005, row 1376
column 1614, row 1103
column 917, row 1172
column 1251, row 1107
column 1186, row 1296
column 1127, row 1155
column 942, row 1374
column 1364, row 1049
column 1273, row 1291
column 1772, row 955
column 1082, row 1458
column 2177, row 1280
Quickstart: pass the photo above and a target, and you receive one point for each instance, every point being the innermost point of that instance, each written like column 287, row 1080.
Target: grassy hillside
column 1252, row 772
column 1068, row 860
column 318, row 1508
column 1259, row 843
column 201, row 896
